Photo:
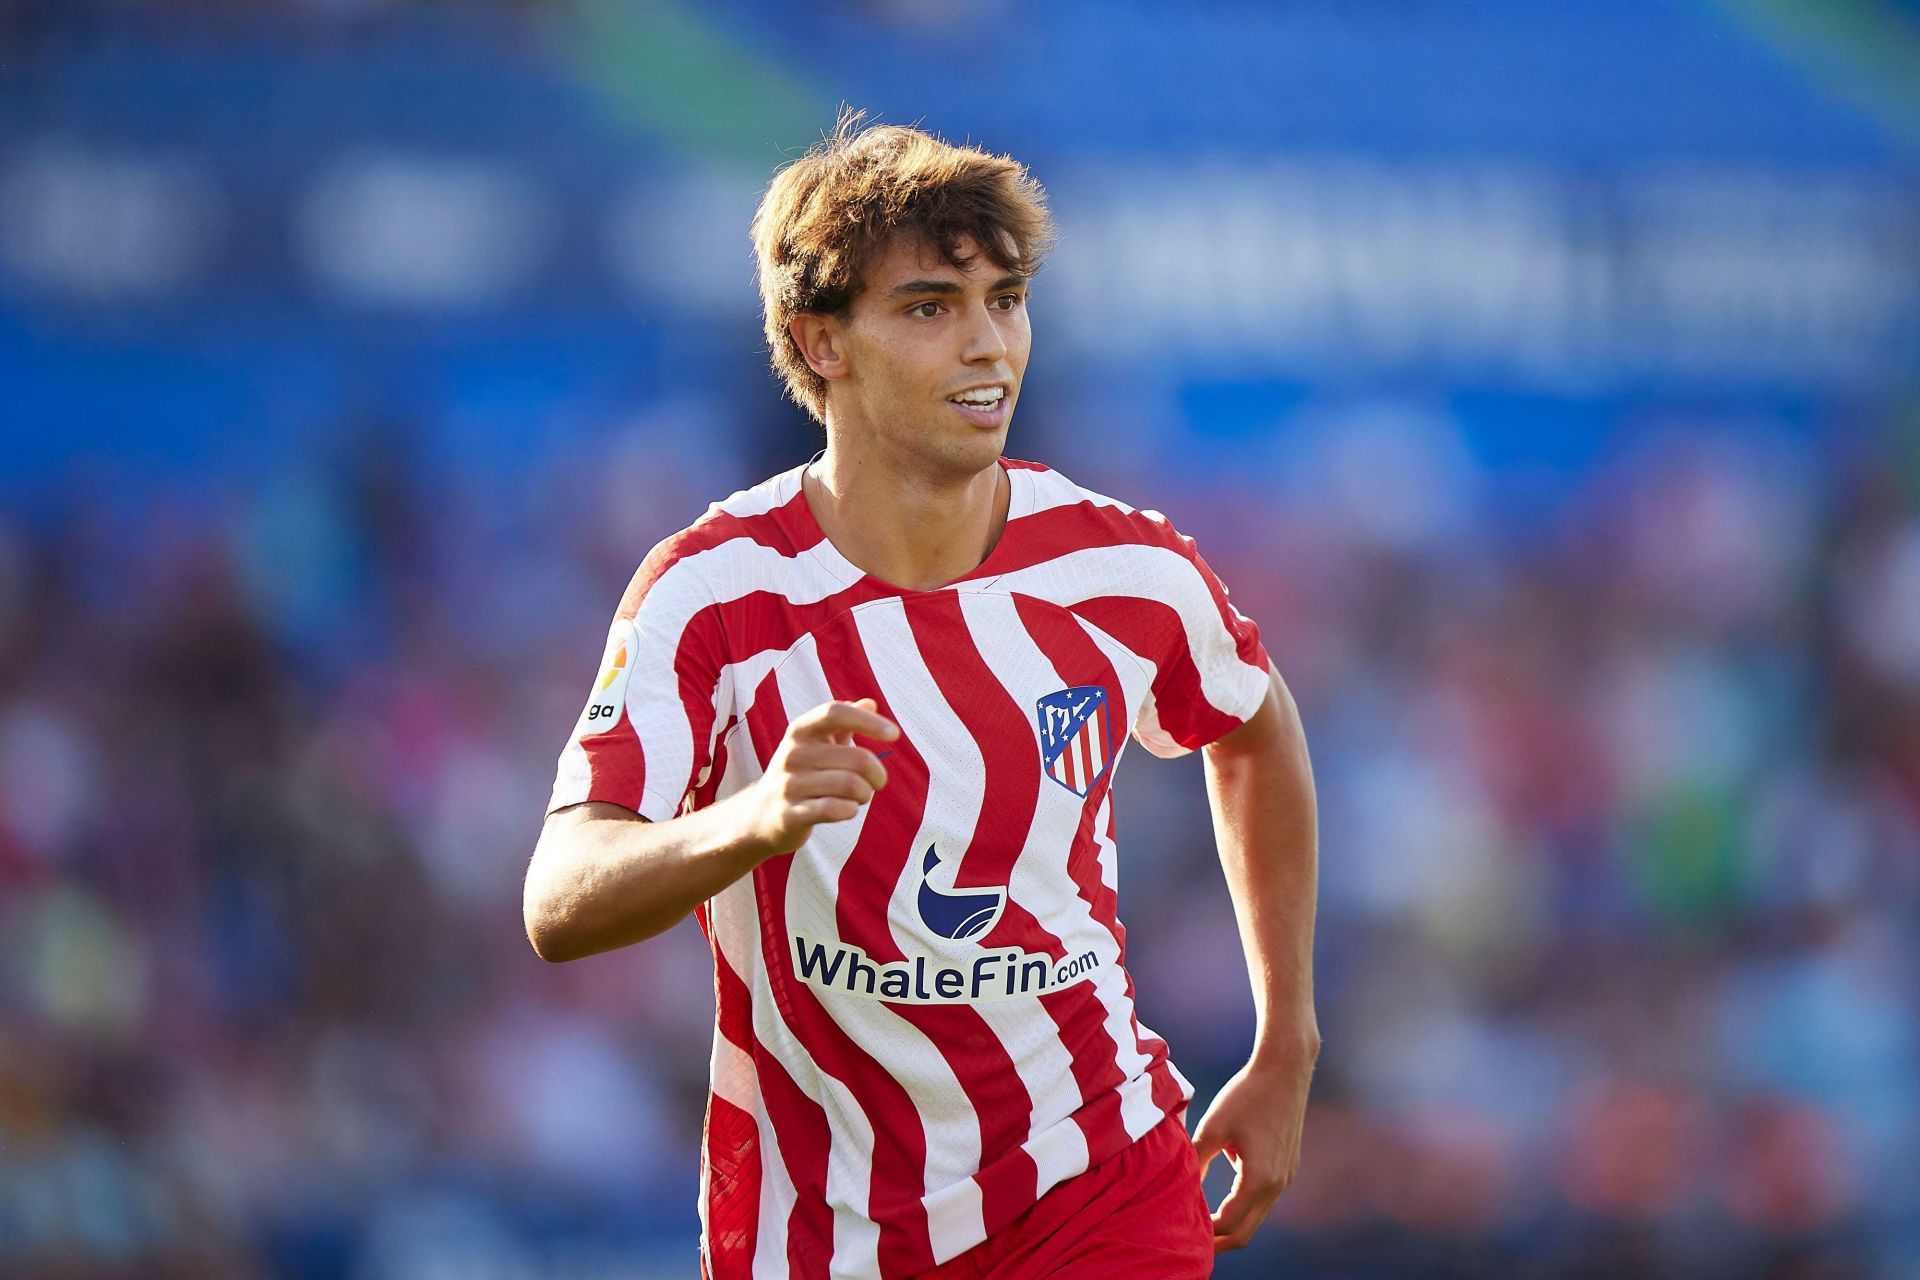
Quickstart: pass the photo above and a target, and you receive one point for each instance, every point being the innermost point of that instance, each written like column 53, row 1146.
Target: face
column 927, row 363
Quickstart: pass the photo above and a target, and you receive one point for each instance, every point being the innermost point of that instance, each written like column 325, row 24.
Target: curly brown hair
column 826, row 214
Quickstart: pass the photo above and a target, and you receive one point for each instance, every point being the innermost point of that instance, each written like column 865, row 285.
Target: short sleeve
column 645, row 738
column 1211, row 673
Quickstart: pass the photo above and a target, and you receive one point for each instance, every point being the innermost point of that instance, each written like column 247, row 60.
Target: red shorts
column 1138, row 1215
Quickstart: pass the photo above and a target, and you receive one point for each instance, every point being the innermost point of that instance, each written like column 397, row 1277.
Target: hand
column 817, row 775
column 1256, row 1120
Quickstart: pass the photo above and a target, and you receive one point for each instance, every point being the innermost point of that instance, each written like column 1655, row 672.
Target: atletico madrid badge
column 1076, row 739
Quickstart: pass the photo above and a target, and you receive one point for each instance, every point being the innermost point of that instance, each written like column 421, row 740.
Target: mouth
column 983, row 406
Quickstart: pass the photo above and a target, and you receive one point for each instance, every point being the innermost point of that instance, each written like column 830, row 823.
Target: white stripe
column 1051, row 489
column 1137, row 1111
column 1041, row 881
column 758, row 500
column 1059, row 1152
column 1096, row 739
column 733, row 917
column 956, row 1220
column 813, row 879
column 1136, row 1106
column 706, row 1186
column 1022, row 666
column 956, row 792
column 777, row 1198
column 733, row 1076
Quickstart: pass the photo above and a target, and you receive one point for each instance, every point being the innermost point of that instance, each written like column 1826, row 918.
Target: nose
column 985, row 342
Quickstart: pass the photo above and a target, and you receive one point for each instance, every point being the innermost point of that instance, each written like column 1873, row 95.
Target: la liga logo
column 616, row 663
column 610, row 689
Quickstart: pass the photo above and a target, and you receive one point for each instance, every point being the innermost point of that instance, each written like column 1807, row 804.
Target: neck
column 910, row 527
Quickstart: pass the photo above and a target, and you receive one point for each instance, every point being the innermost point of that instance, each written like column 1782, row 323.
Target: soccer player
column 863, row 721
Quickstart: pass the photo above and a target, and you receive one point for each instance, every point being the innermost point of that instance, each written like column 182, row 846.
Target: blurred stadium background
column 1544, row 379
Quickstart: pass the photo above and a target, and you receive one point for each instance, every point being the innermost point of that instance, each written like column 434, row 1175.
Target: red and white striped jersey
column 924, row 1016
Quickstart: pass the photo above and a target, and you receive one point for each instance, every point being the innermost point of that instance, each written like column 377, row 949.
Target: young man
column 863, row 721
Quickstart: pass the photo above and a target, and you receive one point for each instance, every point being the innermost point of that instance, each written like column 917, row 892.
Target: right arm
column 603, row 877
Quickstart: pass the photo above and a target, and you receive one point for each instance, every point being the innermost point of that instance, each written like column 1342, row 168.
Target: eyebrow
column 912, row 287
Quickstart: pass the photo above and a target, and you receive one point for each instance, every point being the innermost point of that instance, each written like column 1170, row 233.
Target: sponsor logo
column 956, row 913
column 1076, row 738
column 1003, row 973
column 993, row 973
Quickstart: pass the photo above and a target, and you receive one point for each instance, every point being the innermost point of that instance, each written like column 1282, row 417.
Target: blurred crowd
column 1529, row 373
column 1616, row 947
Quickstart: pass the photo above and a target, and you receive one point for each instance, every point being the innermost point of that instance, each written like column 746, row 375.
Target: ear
column 822, row 344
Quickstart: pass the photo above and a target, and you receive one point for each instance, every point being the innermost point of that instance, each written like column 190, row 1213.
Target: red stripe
column 1078, row 661
column 1086, row 756
column 987, row 1075
column 899, row 1148
column 616, row 764
column 1076, row 526
column 732, row 1140
column 734, row 632
column 704, row 794
column 806, row 1140
column 799, row 1126
column 1167, row 1094
column 697, row 662
column 1144, row 625
column 1153, row 631
column 732, row 1002
column 879, row 858
column 1000, row 729
column 999, row 726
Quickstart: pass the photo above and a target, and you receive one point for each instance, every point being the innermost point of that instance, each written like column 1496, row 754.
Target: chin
column 982, row 451
column 970, row 454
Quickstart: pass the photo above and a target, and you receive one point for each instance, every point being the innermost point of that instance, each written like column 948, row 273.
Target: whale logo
column 956, row 913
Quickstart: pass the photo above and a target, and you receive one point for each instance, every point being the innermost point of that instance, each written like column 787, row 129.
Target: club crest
column 1076, row 741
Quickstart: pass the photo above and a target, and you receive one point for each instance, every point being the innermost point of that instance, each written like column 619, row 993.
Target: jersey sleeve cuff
column 654, row 806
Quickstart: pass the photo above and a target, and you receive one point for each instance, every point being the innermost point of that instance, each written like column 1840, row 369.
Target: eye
column 1013, row 298
column 920, row 308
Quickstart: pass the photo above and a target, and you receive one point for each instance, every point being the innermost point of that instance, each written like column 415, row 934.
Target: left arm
column 1260, row 786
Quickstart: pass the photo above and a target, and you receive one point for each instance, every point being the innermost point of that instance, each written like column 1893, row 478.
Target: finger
column 825, row 809
column 833, row 755
column 1208, row 1142
column 838, row 719
column 871, row 723
column 809, row 784
column 1206, row 1145
column 1246, row 1206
